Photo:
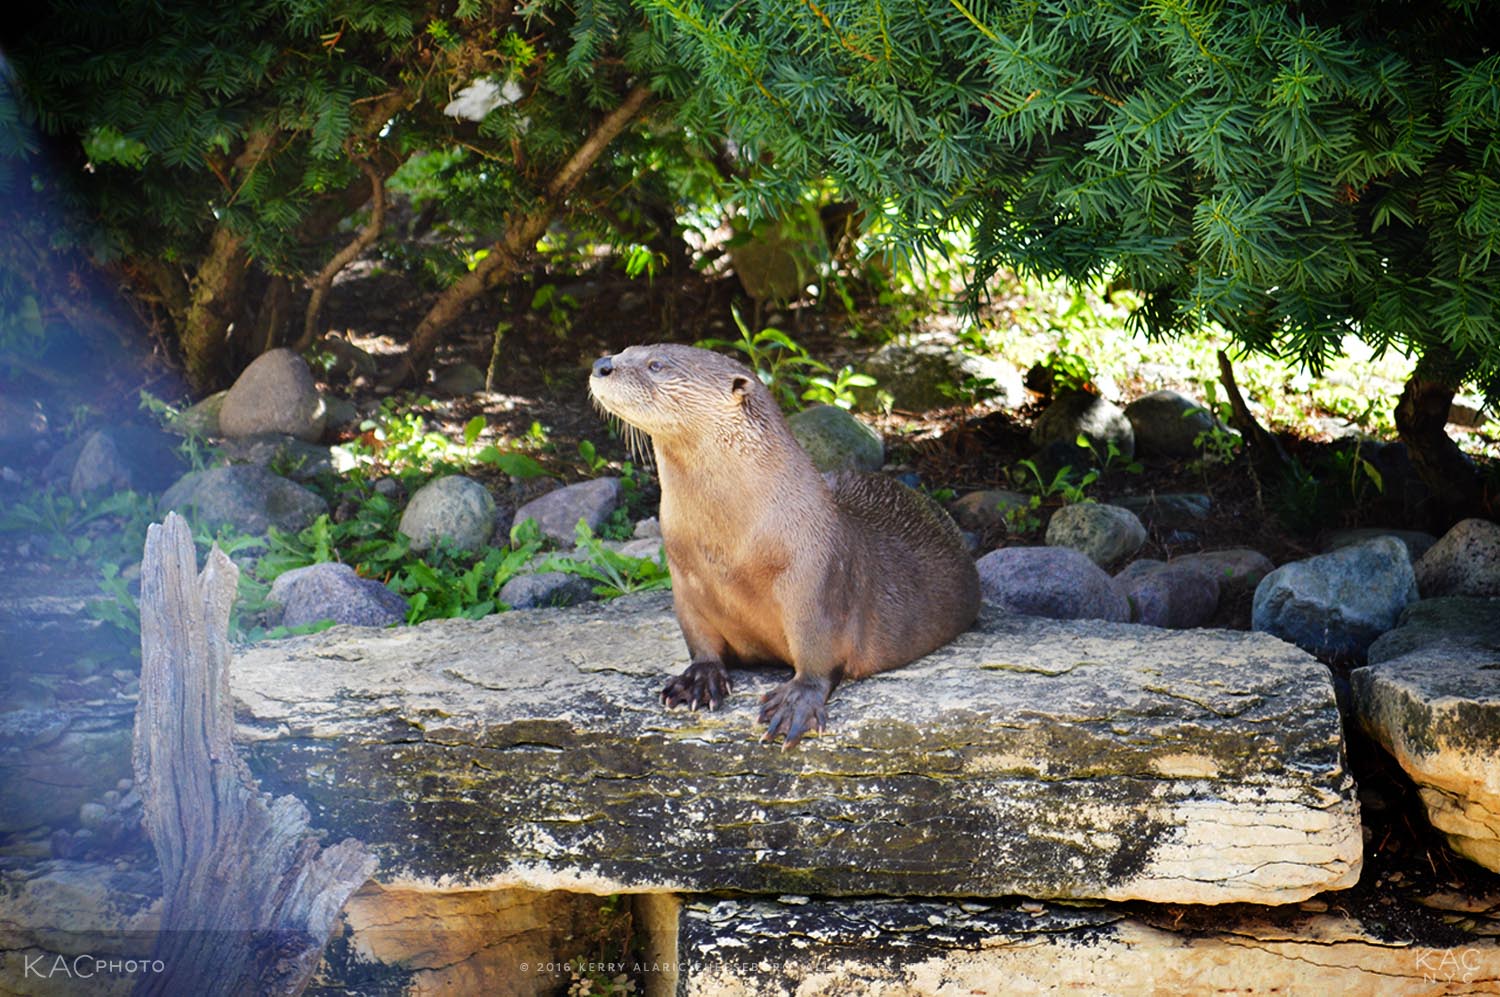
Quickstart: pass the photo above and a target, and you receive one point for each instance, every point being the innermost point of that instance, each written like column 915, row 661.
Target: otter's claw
column 794, row 708
column 705, row 683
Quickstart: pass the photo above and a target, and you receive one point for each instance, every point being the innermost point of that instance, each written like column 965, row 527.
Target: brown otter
column 840, row 576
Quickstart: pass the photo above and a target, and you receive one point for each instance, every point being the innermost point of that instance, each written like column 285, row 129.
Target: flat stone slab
column 1030, row 757
column 802, row 947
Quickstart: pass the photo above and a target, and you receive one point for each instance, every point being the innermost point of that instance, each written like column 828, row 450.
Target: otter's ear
column 740, row 388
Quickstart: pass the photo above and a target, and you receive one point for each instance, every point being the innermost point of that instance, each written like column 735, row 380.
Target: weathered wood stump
column 1030, row 757
column 249, row 895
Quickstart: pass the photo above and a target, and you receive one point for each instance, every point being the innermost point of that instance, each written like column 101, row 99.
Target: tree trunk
column 1266, row 454
column 362, row 241
column 517, row 242
column 1421, row 415
column 218, row 287
column 249, row 898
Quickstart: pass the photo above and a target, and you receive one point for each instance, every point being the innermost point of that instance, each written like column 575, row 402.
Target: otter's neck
column 721, row 475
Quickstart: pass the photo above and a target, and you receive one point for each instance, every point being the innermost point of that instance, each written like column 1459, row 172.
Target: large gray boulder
column 558, row 512
column 1168, row 424
column 1238, row 570
column 924, row 374
column 1169, row 593
column 244, row 496
column 1081, row 760
column 1106, row 534
column 1100, row 420
column 1417, row 542
column 985, row 511
column 1465, row 561
column 453, row 508
column 836, row 440
column 1056, row 582
column 275, row 394
column 546, row 588
column 333, row 591
column 1337, row 604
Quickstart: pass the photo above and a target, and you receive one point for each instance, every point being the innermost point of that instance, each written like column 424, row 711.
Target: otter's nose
column 603, row 367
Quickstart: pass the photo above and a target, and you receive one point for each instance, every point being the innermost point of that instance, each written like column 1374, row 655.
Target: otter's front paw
column 794, row 708
column 705, row 683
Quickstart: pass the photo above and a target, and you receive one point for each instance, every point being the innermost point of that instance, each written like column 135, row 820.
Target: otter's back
column 921, row 587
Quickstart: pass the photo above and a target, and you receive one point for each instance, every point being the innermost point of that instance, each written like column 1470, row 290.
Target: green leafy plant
column 557, row 306
column 1061, row 485
column 1113, row 458
column 781, row 363
column 837, row 390
column 615, row 573
column 108, row 528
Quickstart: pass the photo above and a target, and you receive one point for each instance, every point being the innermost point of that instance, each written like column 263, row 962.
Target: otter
column 839, row 576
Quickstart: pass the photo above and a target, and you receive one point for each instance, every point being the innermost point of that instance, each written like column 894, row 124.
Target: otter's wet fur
column 840, row 575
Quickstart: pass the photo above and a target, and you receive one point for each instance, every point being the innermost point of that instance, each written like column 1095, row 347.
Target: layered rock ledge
column 793, row 946
column 1030, row 757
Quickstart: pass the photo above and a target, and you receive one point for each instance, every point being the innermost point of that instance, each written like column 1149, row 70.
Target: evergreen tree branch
column 518, row 241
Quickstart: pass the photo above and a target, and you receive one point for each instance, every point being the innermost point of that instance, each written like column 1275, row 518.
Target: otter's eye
column 654, row 366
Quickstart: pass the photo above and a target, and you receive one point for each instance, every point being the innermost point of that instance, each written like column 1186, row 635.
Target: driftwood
column 250, row 897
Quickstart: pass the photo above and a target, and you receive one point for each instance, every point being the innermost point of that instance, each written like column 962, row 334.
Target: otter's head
column 675, row 392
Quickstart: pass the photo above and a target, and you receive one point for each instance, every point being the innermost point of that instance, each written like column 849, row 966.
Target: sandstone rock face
column 454, row 508
column 248, row 497
column 769, row 948
column 1167, row 424
column 1466, row 561
column 1056, row 582
column 54, row 761
column 416, row 941
column 1105, row 534
column 1431, row 697
column 1456, row 626
column 1029, row 757
column 275, row 394
column 1337, row 604
column 88, row 914
column 836, row 440
column 558, row 512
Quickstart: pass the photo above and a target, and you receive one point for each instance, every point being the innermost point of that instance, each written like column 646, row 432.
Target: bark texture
column 249, row 897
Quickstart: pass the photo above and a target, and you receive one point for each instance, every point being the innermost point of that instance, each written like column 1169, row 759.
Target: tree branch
column 517, row 242
column 362, row 241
